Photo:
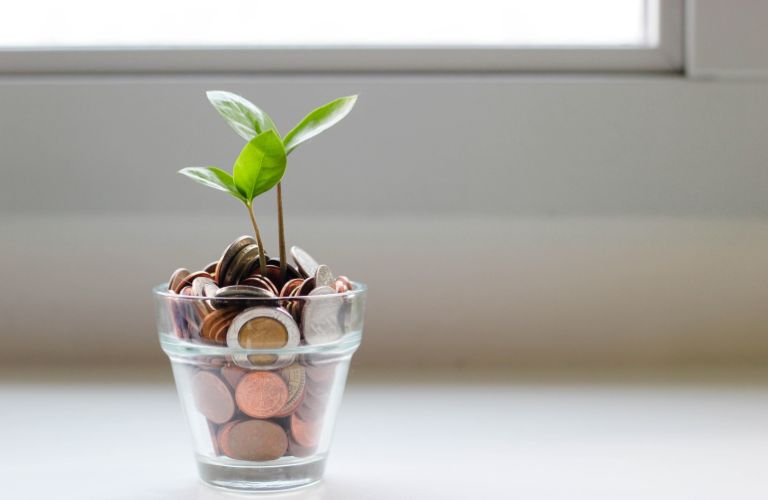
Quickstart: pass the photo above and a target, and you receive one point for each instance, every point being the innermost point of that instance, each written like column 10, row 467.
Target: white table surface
column 108, row 437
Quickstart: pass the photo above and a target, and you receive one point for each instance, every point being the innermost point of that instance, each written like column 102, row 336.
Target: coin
column 222, row 436
column 220, row 333
column 307, row 286
column 290, row 271
column 273, row 274
column 211, row 268
column 324, row 276
column 263, row 328
column 241, row 264
column 289, row 286
column 199, row 284
column 238, row 291
column 306, row 264
column 215, row 321
column 295, row 379
column 193, row 316
column 321, row 318
column 343, row 284
column 296, row 450
column 254, row 440
column 229, row 254
column 261, row 394
column 305, row 433
column 262, row 332
column 310, row 410
column 232, row 374
column 187, row 281
column 176, row 278
column 260, row 281
column 243, row 291
column 213, row 397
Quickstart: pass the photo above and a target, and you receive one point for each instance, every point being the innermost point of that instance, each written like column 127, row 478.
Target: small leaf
column 317, row 121
column 241, row 114
column 260, row 166
column 213, row 177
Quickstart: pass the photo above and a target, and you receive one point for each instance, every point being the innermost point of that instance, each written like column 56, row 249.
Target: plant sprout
column 262, row 162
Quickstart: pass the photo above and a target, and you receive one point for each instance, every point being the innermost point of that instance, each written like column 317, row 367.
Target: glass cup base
column 249, row 477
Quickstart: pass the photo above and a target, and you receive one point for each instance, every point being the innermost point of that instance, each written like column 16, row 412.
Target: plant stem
column 281, row 231
column 262, row 257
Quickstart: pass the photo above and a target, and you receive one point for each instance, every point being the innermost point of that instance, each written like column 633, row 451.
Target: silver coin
column 199, row 284
column 306, row 264
column 324, row 276
column 279, row 314
column 243, row 291
column 210, row 289
column 321, row 319
column 229, row 253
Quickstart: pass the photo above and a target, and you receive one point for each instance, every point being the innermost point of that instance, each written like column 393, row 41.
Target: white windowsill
column 411, row 438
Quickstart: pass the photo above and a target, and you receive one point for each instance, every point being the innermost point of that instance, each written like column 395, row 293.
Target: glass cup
column 260, row 381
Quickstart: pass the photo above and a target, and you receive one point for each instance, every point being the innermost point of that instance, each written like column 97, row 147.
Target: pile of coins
column 261, row 406
column 222, row 319
column 259, row 415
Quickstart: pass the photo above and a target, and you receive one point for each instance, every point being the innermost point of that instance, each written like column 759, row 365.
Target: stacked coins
column 262, row 406
column 222, row 319
column 259, row 415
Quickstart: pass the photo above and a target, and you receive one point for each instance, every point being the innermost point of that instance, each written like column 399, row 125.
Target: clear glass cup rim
column 174, row 345
column 358, row 288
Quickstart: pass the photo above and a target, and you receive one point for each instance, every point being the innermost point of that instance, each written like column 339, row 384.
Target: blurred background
column 532, row 184
column 560, row 208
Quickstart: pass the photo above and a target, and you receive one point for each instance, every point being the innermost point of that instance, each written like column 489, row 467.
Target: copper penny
column 213, row 397
column 176, row 278
column 343, row 284
column 305, row 433
column 296, row 450
column 260, row 281
column 220, row 332
column 216, row 320
column 312, row 408
column 222, row 437
column 261, row 394
column 273, row 274
column 211, row 268
column 254, row 440
column 290, row 286
column 232, row 374
column 307, row 286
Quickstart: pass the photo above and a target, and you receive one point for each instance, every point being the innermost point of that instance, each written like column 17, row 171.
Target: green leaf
column 242, row 115
column 317, row 121
column 213, row 177
column 260, row 166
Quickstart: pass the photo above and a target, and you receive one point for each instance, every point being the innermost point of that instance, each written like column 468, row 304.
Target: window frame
column 667, row 56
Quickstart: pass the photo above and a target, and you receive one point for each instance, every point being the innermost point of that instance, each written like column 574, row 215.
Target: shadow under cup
column 261, row 419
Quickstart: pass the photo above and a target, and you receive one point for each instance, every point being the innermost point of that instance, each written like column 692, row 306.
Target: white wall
column 624, row 218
